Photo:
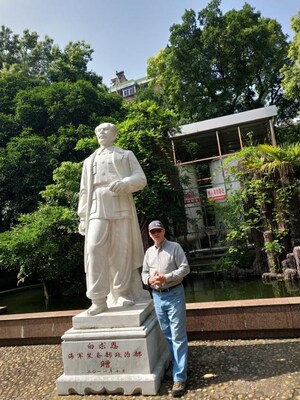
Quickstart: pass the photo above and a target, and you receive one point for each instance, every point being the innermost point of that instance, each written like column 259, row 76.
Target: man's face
column 105, row 135
column 157, row 235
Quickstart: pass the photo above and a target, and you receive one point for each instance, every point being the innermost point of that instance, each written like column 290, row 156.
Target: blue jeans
column 171, row 314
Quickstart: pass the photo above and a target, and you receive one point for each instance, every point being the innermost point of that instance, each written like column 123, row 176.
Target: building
column 216, row 139
column 126, row 88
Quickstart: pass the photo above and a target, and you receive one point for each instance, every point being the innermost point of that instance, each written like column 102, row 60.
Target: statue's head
column 106, row 134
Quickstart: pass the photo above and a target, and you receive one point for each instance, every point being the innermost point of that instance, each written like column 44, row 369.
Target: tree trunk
column 295, row 218
column 260, row 264
column 282, row 207
column 267, row 225
column 271, row 256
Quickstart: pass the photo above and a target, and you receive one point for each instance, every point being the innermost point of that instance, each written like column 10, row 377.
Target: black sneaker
column 178, row 389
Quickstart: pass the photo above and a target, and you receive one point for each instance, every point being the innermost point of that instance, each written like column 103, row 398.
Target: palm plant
column 271, row 200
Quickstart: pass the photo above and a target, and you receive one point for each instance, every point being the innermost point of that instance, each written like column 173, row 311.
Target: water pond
column 198, row 288
column 212, row 287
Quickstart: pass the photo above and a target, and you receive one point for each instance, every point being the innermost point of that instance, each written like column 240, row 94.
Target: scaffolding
column 217, row 139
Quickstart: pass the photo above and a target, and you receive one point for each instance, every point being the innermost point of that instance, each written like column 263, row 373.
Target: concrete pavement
column 262, row 369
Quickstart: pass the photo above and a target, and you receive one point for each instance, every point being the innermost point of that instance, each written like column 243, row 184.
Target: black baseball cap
column 155, row 225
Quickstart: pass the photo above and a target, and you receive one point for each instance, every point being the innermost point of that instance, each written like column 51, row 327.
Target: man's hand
column 157, row 280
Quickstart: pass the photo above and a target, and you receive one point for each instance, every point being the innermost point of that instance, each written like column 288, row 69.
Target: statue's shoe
column 97, row 308
column 124, row 301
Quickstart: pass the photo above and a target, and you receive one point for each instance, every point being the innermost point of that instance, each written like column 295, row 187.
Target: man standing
column 113, row 244
column 164, row 267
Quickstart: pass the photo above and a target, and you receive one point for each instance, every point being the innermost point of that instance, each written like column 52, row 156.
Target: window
column 129, row 91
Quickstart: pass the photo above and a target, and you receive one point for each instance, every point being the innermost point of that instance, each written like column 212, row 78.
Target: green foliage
column 25, row 169
column 273, row 247
column 291, row 69
column 231, row 214
column 25, row 53
column 218, row 64
column 46, row 108
column 266, row 201
column 7, row 128
column 288, row 134
column 11, row 82
column 87, row 145
column 235, row 259
column 150, row 93
column 50, row 104
column 44, row 242
column 71, row 64
column 64, row 191
column 41, row 58
column 145, row 132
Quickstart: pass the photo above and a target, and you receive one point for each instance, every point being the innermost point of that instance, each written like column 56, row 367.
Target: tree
column 25, row 169
column 270, row 200
column 50, row 104
column 43, row 59
column 288, row 134
column 219, row 64
column 71, row 64
column 26, row 53
column 11, row 82
column 291, row 71
column 8, row 46
column 55, row 259
column 145, row 132
column 43, row 131
column 45, row 243
column 65, row 189
column 47, row 108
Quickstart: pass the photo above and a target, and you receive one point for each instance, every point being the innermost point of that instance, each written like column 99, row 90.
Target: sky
column 123, row 33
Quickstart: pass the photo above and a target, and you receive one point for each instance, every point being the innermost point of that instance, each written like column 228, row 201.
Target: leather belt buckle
column 167, row 289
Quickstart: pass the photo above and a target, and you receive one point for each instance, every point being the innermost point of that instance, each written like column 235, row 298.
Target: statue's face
column 106, row 135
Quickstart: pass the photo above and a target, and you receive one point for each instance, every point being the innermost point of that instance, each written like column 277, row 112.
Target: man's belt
column 167, row 289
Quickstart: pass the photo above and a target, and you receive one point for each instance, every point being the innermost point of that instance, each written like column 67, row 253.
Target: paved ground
column 227, row 370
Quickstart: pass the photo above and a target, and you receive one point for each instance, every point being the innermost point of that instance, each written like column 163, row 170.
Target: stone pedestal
column 119, row 351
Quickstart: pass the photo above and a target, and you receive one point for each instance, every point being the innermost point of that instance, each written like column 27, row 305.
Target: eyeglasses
column 155, row 231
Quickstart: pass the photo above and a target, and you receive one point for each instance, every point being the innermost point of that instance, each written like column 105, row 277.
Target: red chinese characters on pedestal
column 105, row 364
column 99, row 351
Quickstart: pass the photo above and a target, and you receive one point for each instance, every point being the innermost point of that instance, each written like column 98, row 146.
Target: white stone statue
column 113, row 244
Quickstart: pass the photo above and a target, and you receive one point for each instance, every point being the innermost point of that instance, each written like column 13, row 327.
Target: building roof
column 122, row 85
column 231, row 130
column 247, row 118
column 119, row 85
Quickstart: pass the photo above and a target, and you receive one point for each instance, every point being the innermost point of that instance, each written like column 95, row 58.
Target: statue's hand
column 81, row 228
column 117, row 187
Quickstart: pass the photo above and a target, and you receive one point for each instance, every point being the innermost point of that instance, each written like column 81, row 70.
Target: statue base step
column 114, row 359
